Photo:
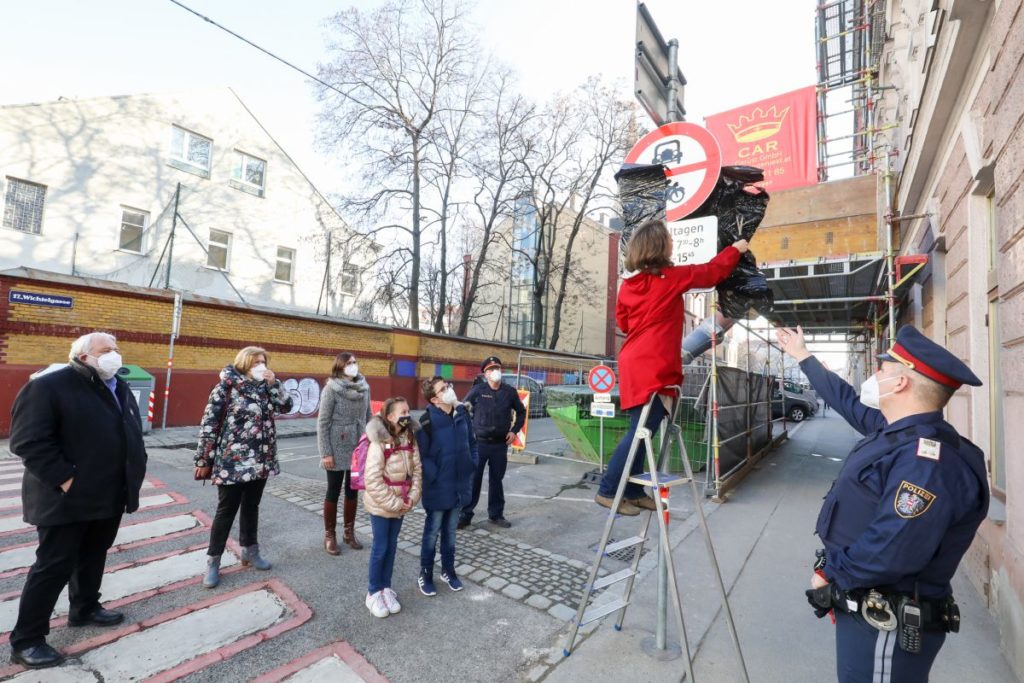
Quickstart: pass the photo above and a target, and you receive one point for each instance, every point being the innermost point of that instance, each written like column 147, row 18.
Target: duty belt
column 936, row 615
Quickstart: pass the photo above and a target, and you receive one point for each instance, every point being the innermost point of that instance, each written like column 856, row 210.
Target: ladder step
column 625, row 543
column 598, row 611
column 666, row 480
column 620, row 575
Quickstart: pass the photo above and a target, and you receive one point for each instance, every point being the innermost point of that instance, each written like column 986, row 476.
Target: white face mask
column 259, row 372
column 869, row 391
column 494, row 375
column 108, row 364
column 351, row 370
column 449, row 396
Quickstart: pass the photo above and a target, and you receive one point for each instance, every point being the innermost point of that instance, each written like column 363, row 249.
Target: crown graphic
column 761, row 124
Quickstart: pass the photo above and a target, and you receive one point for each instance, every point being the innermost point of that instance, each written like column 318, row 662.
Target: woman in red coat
column 650, row 311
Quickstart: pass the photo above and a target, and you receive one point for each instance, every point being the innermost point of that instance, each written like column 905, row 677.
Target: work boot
column 624, row 508
column 212, row 578
column 643, row 502
column 251, row 556
column 330, row 526
column 350, row 524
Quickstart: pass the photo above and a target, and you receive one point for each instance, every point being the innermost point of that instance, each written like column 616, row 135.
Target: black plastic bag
column 740, row 207
column 642, row 195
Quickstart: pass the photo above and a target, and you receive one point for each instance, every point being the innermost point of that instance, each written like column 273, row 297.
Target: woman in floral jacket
column 238, row 451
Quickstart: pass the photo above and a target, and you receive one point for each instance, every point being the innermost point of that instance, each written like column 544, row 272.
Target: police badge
column 912, row 501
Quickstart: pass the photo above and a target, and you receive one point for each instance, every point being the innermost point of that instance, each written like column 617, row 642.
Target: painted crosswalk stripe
column 132, row 580
column 335, row 662
column 10, row 486
column 9, row 501
column 6, row 475
column 14, row 523
column 15, row 559
column 176, row 644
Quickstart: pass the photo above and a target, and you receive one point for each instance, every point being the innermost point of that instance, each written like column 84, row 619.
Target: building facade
column 954, row 106
column 97, row 187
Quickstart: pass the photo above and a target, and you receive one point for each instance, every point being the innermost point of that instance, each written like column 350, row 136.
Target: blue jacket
column 449, row 456
column 908, row 500
column 496, row 412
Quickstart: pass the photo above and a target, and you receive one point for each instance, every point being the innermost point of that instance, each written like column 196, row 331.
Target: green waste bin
column 142, row 385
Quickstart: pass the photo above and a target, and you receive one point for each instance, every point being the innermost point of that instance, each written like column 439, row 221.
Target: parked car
column 796, row 407
column 808, row 394
column 538, row 401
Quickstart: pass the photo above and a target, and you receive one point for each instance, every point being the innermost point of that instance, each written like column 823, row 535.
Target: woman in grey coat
column 344, row 412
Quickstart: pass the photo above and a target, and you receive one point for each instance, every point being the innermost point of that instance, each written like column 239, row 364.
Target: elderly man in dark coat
column 78, row 432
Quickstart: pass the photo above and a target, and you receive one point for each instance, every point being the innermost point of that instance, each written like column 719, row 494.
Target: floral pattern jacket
column 237, row 436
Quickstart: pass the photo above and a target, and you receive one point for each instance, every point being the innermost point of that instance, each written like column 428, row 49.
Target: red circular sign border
column 708, row 143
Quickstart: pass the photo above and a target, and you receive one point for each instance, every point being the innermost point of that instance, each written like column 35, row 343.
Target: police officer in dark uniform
column 498, row 415
column 902, row 513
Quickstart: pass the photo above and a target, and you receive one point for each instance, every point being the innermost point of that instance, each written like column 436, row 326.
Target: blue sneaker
column 452, row 580
column 426, row 582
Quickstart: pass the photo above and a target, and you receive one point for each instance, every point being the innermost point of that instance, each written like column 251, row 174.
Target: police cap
column 489, row 362
column 921, row 354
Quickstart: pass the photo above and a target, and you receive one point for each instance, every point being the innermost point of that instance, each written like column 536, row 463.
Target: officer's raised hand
column 792, row 342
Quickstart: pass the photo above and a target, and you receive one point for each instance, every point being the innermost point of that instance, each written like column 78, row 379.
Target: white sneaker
column 391, row 601
column 375, row 603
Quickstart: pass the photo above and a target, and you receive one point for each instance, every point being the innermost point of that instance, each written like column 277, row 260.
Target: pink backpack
column 358, row 464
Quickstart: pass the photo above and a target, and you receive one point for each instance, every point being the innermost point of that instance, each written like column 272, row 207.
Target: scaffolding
column 849, row 35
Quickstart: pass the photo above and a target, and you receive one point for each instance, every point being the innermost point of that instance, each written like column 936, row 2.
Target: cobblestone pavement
column 534, row 576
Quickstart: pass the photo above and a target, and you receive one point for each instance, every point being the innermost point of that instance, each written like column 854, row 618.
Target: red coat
column 650, row 311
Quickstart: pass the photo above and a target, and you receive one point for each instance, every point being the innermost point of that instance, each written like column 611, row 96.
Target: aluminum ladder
column 660, row 482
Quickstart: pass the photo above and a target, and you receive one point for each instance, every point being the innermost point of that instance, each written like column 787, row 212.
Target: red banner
column 777, row 134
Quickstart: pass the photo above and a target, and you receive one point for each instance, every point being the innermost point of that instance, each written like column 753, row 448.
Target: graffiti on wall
column 305, row 395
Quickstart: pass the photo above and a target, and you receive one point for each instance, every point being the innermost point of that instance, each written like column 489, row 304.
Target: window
column 785, row 243
column 219, row 250
column 190, row 152
column 23, row 206
column 829, row 238
column 133, row 229
column 350, row 279
column 248, row 174
column 285, row 264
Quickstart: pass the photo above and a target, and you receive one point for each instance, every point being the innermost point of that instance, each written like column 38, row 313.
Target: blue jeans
column 382, row 552
column 610, row 481
column 443, row 521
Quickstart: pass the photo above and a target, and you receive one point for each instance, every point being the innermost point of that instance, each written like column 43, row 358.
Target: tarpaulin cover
column 742, row 404
column 740, row 206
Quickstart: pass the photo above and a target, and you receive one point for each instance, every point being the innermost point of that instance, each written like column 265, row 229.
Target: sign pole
column 175, row 326
column 600, row 443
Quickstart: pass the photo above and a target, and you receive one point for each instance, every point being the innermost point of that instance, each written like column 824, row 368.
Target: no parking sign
column 692, row 161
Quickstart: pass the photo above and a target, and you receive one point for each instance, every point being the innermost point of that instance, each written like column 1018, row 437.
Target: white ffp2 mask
column 869, row 391
column 108, row 364
column 351, row 370
column 494, row 375
column 259, row 372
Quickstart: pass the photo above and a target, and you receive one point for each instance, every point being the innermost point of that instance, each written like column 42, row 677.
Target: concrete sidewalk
column 764, row 540
column 186, row 437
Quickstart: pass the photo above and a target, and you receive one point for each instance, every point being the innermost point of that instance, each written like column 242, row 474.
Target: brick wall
column 211, row 332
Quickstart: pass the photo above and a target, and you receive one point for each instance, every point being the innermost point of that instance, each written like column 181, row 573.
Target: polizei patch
column 912, row 501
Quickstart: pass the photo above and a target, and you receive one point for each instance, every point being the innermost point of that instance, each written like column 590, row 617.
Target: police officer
column 902, row 513
column 498, row 415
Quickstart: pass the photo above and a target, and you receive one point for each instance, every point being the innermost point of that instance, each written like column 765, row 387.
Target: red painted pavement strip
column 176, row 499
column 340, row 649
column 301, row 614
column 136, row 597
column 204, row 526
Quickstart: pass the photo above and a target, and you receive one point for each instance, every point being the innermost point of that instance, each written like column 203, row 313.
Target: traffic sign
column 602, row 398
column 692, row 161
column 601, row 379
column 694, row 240
column 602, row 410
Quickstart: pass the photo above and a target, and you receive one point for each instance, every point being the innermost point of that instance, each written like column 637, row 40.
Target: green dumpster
column 142, row 385
column 569, row 408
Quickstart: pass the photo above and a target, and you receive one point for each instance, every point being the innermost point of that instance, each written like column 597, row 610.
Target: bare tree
column 496, row 161
column 394, row 66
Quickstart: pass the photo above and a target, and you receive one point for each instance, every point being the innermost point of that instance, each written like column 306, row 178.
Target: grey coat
column 344, row 412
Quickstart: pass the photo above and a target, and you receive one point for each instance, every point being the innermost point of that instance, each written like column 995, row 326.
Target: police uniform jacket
column 493, row 411
column 67, row 424
column 908, row 500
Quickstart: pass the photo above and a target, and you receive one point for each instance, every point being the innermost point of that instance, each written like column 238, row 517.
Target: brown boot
column 350, row 524
column 330, row 523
